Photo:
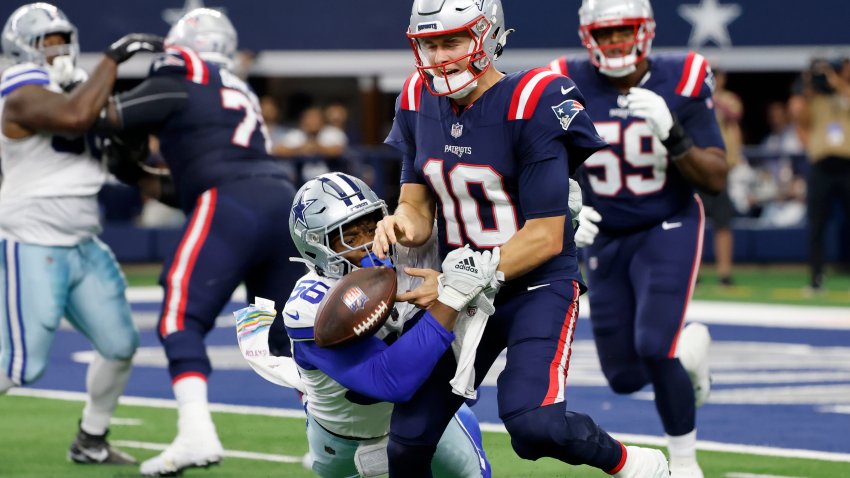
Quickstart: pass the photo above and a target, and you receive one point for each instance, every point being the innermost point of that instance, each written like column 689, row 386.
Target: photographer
column 825, row 121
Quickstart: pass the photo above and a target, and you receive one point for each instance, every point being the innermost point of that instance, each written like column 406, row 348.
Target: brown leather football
column 356, row 306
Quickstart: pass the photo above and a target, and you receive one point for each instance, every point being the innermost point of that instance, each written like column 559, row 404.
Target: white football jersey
column 41, row 171
column 326, row 401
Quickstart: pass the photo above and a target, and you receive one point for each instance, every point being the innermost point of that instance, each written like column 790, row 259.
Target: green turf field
column 783, row 284
column 44, row 428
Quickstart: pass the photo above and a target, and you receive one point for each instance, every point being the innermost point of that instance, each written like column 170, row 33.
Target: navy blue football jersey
column 219, row 134
column 501, row 161
column 634, row 183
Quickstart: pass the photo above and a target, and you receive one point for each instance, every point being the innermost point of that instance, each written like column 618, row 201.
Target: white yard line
column 248, row 455
column 750, row 475
column 709, row 312
column 488, row 427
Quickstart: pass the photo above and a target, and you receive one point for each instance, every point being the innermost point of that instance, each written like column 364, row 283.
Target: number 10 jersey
column 501, row 161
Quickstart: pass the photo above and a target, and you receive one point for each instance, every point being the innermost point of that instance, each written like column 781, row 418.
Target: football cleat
column 644, row 463
column 689, row 470
column 184, row 452
column 693, row 353
column 94, row 449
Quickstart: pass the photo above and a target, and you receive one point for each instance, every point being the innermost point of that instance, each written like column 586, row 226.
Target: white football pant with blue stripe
column 40, row 284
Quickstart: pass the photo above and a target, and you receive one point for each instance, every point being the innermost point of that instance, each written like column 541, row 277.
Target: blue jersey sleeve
column 386, row 373
column 696, row 112
column 560, row 123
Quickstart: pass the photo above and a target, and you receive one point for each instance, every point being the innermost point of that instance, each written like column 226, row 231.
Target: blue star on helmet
column 298, row 210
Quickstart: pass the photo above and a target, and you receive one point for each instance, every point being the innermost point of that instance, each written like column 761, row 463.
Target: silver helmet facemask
column 321, row 211
column 23, row 40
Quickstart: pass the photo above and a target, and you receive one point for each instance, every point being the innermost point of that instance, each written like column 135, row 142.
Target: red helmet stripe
column 528, row 92
column 693, row 75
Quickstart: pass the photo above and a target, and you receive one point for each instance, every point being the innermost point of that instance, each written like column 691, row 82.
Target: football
column 356, row 306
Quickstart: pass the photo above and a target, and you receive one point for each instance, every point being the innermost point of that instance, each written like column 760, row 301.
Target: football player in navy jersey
column 657, row 114
column 488, row 155
column 214, row 141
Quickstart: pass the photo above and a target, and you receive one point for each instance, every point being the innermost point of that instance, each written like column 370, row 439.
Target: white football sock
column 105, row 381
column 5, row 383
column 192, row 407
column 683, row 448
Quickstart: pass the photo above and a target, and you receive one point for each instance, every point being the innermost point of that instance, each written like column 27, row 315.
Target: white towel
column 468, row 333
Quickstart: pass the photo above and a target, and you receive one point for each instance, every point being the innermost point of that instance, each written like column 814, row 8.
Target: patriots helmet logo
column 567, row 111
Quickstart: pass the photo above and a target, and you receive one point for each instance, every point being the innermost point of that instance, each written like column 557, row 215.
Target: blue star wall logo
column 567, row 111
column 710, row 22
column 298, row 210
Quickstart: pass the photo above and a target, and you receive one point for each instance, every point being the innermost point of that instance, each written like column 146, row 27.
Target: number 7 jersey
column 634, row 184
column 503, row 160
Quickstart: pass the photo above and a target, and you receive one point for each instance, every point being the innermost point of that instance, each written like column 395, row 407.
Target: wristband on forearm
column 678, row 143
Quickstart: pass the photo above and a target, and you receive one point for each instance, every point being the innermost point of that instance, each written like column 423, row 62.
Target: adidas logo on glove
column 467, row 265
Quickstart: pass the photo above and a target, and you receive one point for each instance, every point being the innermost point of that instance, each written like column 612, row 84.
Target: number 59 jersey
column 503, row 160
column 634, row 184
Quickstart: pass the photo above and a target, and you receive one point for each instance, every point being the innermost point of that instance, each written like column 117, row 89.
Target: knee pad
column 120, row 347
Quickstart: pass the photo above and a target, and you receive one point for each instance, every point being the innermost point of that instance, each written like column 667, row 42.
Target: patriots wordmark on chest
column 457, row 130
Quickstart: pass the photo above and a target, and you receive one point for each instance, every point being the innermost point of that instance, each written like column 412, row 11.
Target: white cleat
column 644, row 463
column 693, row 353
column 184, row 452
column 691, row 470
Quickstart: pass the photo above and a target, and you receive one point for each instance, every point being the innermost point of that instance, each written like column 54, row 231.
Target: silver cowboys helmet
column 597, row 14
column 208, row 32
column 322, row 208
column 23, row 40
column 482, row 20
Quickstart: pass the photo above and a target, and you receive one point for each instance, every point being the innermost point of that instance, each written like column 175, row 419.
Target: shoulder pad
column 183, row 62
column 693, row 73
column 23, row 74
column 411, row 93
column 560, row 66
column 528, row 91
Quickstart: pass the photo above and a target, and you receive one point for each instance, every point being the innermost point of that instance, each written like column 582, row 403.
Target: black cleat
column 94, row 449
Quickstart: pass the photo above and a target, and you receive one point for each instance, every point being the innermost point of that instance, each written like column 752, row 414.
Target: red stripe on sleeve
column 531, row 104
column 686, row 72
column 512, row 112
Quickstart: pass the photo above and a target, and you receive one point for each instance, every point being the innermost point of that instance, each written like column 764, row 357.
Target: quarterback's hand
column 426, row 293
column 465, row 274
column 128, row 45
column 650, row 106
column 575, row 202
column 387, row 233
column 587, row 228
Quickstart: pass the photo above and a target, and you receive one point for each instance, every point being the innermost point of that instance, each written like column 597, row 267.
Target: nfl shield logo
column 355, row 299
column 457, row 130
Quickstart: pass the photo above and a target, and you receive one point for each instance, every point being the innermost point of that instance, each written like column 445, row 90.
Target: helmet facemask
column 460, row 83
column 323, row 208
column 636, row 50
column 60, row 60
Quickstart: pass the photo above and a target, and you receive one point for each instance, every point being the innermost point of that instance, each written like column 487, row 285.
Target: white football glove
column 650, row 106
column 465, row 274
column 575, row 202
column 587, row 228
